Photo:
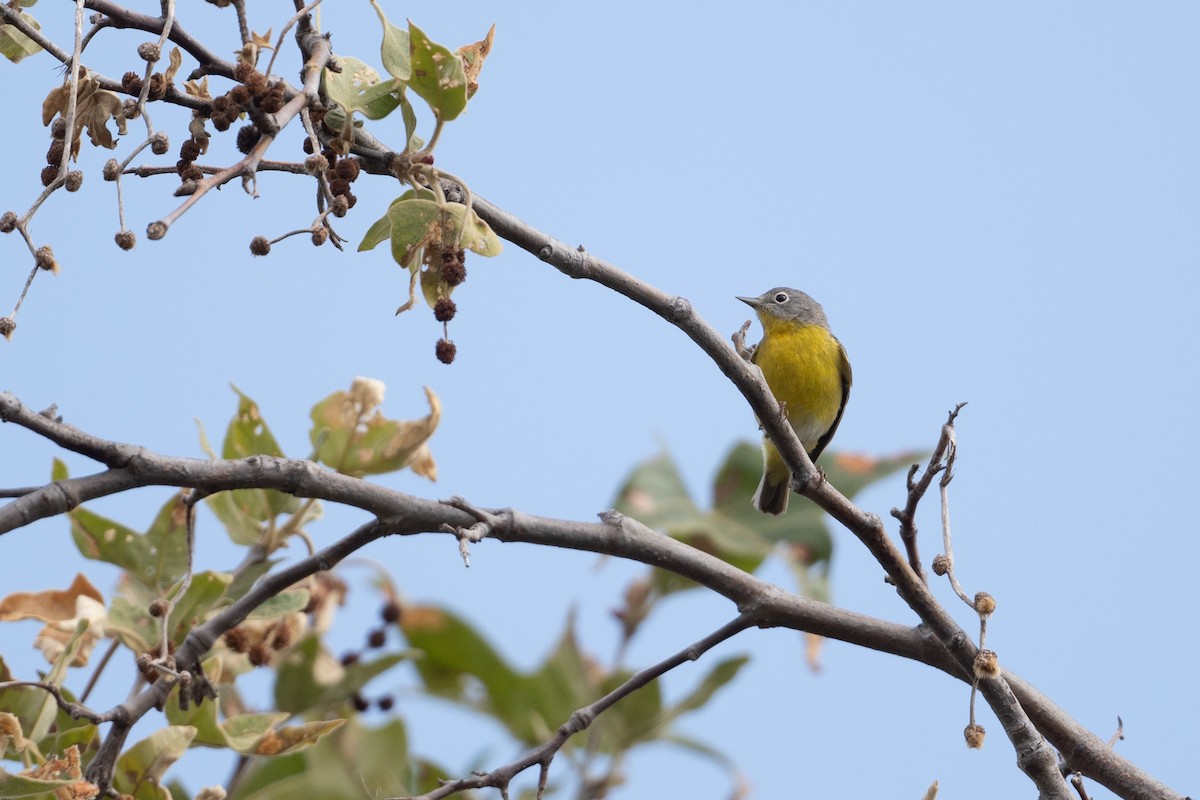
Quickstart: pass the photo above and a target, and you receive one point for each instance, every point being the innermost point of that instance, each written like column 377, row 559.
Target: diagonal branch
column 201, row 639
column 121, row 17
column 582, row 718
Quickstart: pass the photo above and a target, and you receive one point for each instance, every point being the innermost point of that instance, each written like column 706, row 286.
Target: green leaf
column 803, row 522
column 561, row 685
column 437, row 75
column 15, row 45
column 722, row 673
column 156, row 558
column 635, row 718
column 395, row 48
column 358, row 87
column 19, row 787
column 245, row 578
column 478, row 236
column 655, row 495
column 381, row 229
column 454, row 655
column 197, row 603
column 734, row 530
column 376, row 102
column 358, row 441
column 415, row 223
column 351, row 763
column 282, row 604
column 132, row 624
column 246, row 513
column 141, row 767
column 296, row 685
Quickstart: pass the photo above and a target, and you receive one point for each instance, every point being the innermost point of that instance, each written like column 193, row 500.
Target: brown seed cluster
column 445, row 350
column 54, row 156
column 253, row 91
column 342, row 172
column 189, row 151
column 247, row 137
column 131, row 82
column 454, row 266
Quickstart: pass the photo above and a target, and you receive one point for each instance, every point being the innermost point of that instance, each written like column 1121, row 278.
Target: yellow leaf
column 93, row 109
column 262, row 41
column 473, row 56
column 176, row 59
column 51, row 605
column 198, row 88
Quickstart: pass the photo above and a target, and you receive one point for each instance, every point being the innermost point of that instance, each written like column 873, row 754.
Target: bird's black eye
column 781, row 297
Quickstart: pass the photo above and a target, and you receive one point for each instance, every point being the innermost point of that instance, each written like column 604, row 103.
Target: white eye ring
column 781, row 298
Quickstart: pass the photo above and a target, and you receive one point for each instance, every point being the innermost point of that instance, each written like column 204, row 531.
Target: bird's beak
column 753, row 302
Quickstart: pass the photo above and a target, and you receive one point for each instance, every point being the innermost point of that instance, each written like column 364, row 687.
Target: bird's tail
column 771, row 497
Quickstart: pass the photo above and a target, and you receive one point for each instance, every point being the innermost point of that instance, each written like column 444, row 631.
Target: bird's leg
column 739, row 342
column 812, row 484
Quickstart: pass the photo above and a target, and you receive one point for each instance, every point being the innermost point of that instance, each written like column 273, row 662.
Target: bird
column 808, row 371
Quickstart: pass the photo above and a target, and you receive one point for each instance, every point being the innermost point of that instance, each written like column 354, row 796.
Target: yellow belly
column 803, row 365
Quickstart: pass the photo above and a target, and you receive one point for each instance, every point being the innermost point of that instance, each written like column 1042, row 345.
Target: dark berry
column 444, row 309
column 454, row 272
column 348, row 169
column 247, row 137
column 339, row 186
column 131, row 82
column 445, row 351
column 240, row 96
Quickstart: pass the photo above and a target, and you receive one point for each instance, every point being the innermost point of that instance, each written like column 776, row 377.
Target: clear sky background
column 995, row 204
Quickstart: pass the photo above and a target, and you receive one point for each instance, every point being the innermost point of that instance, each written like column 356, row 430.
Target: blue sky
column 995, row 204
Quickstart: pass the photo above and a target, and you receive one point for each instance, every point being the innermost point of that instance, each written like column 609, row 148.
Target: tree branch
column 614, row 535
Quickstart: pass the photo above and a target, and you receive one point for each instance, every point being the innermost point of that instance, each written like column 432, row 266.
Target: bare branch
column 122, row 17
column 582, row 718
column 917, row 489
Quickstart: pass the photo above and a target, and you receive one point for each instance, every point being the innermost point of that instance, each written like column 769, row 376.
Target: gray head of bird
column 788, row 304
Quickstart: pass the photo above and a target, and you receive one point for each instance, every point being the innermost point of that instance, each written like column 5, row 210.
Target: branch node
column 681, row 309
column 612, row 517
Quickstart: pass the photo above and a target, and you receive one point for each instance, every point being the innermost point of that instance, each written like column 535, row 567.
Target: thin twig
column 95, row 676
column 582, row 718
column 74, row 710
column 283, row 32
column 916, row 491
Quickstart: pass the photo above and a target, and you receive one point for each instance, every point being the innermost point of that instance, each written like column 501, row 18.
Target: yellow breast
column 806, row 368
